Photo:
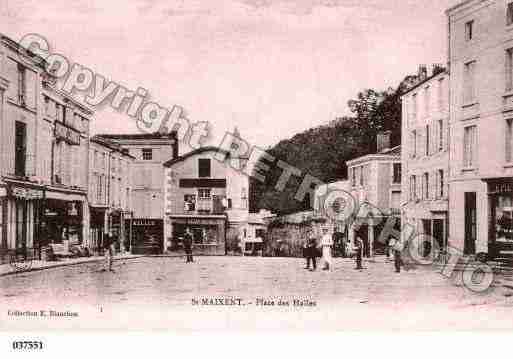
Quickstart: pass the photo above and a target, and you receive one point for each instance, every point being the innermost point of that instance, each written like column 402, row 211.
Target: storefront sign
column 67, row 134
column 202, row 221
column 26, row 193
column 145, row 222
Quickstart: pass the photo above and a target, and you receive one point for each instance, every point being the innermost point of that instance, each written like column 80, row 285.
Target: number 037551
column 27, row 345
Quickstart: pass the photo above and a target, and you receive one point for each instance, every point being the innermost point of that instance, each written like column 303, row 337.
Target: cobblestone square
column 156, row 291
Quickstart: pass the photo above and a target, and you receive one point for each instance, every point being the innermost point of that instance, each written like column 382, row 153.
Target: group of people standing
column 312, row 250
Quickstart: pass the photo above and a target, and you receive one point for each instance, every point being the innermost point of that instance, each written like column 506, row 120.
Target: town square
column 254, row 157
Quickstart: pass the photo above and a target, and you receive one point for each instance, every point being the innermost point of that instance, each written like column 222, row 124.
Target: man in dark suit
column 187, row 245
column 311, row 252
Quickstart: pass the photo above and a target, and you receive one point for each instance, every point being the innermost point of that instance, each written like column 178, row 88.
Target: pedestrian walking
column 187, row 245
column 358, row 244
column 311, row 253
column 326, row 244
column 108, row 252
column 397, row 248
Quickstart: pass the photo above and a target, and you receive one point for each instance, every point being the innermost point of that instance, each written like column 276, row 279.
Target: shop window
column 504, row 218
column 147, row 154
column 204, row 167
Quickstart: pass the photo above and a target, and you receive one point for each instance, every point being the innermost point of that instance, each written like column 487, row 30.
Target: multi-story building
column 110, row 192
column 44, row 141
column 425, row 155
column 210, row 197
column 375, row 184
column 481, row 127
column 324, row 214
column 149, row 152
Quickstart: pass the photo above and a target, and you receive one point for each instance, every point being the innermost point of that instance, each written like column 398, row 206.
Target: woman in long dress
column 327, row 244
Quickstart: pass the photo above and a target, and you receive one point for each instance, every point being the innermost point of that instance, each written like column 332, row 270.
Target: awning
column 64, row 196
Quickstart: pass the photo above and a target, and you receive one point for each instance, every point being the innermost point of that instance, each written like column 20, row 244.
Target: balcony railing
column 205, row 206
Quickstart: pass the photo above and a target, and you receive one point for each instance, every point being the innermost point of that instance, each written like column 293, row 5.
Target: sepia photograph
column 255, row 165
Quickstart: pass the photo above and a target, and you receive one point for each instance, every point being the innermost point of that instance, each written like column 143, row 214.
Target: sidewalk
column 36, row 265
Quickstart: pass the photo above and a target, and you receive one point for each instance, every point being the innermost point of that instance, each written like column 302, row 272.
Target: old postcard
column 256, row 164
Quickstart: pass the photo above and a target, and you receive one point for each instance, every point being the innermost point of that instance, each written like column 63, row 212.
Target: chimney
column 422, row 74
column 383, row 140
column 175, row 148
column 437, row 68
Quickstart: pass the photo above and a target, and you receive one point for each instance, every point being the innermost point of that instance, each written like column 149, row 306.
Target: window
column 22, row 84
column 100, row 189
column 509, row 14
column 353, row 177
column 20, row 144
column 397, row 173
column 441, row 94
column 414, row 140
column 189, row 202
column 414, row 106
column 469, row 146
column 440, row 183
column 469, row 30
column 147, row 154
column 509, row 137
column 413, row 188
column 204, row 193
column 425, row 186
column 509, row 70
column 203, row 167
column 469, row 95
column 427, row 100
column 440, row 135
column 427, row 140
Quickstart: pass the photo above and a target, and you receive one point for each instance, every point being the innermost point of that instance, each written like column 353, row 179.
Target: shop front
column 20, row 219
column 147, row 235
column 97, row 227
column 500, row 199
column 63, row 218
column 208, row 232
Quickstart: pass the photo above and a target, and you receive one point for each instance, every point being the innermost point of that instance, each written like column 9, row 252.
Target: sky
column 272, row 68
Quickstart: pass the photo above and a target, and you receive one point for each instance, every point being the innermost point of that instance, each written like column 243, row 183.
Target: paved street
column 164, row 288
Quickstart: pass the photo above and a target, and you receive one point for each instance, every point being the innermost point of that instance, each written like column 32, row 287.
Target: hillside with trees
column 322, row 151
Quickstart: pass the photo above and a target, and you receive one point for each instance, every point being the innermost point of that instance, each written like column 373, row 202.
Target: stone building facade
column 375, row 184
column 207, row 195
column 110, row 193
column 44, row 144
column 425, row 156
column 149, row 152
column 481, row 127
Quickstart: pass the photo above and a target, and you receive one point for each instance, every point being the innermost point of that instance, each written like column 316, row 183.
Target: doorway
column 470, row 223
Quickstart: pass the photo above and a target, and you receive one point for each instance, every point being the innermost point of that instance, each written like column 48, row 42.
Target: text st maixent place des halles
column 259, row 302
